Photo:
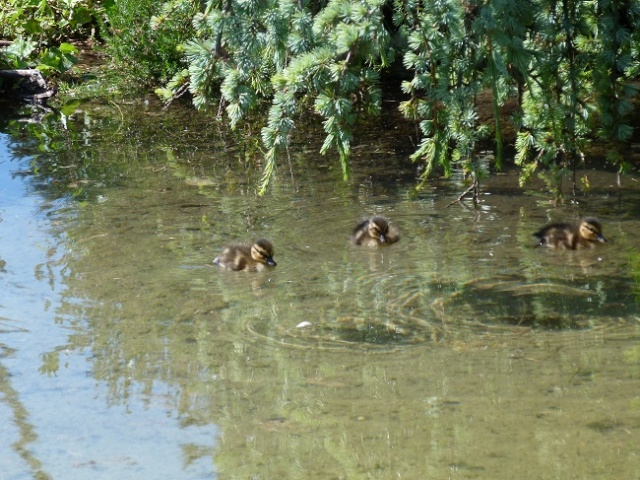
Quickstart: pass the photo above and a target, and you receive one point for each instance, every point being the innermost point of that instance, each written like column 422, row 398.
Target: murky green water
column 460, row 352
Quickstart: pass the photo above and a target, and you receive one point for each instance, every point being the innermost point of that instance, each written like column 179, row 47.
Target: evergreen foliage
column 616, row 61
column 549, row 56
column 339, row 77
column 569, row 67
column 556, row 104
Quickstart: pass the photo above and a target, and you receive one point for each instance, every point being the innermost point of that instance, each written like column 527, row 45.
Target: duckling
column 375, row 232
column 256, row 258
column 571, row 236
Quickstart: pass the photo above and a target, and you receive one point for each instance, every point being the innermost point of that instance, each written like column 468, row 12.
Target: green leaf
column 68, row 48
column 21, row 48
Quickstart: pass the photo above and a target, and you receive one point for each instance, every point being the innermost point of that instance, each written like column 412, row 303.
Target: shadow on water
column 460, row 350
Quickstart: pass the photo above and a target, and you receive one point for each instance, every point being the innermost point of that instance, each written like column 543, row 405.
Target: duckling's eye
column 374, row 230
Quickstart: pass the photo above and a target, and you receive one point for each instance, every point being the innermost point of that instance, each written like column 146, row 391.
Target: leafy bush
column 23, row 54
column 48, row 21
column 143, row 37
column 37, row 29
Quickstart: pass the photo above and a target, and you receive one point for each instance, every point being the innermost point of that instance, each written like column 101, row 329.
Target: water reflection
column 459, row 352
column 59, row 424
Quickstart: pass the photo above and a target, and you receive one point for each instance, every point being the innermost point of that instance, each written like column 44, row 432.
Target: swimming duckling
column 256, row 258
column 571, row 236
column 375, row 232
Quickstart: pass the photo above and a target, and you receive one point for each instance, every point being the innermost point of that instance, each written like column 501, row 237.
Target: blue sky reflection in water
column 56, row 419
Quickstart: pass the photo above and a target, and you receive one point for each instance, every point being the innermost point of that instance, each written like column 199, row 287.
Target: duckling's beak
column 382, row 238
column 601, row 239
column 271, row 262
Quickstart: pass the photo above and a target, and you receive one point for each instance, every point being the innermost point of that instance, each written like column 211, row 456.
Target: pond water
column 460, row 352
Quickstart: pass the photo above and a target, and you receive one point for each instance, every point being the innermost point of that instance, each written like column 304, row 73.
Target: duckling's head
column 378, row 228
column 591, row 230
column 262, row 251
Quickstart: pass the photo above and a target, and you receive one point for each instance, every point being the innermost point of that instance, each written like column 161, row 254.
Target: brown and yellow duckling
column 571, row 236
column 254, row 258
column 375, row 232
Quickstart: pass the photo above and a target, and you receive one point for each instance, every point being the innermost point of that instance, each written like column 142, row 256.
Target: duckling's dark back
column 254, row 258
column 374, row 232
column 571, row 236
column 556, row 234
column 360, row 232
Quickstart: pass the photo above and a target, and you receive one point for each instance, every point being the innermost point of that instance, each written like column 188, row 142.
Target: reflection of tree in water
column 423, row 311
column 20, row 419
column 73, row 154
column 492, row 306
column 219, row 348
column 229, row 349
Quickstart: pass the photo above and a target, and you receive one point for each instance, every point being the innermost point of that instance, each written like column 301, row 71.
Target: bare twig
column 464, row 194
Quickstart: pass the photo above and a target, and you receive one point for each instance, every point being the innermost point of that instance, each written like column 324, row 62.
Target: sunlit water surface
column 460, row 352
